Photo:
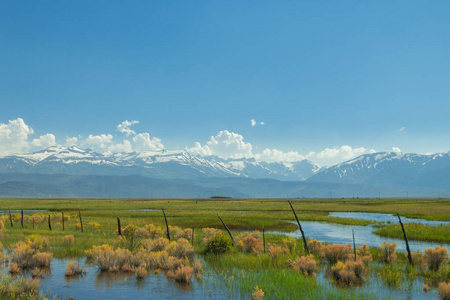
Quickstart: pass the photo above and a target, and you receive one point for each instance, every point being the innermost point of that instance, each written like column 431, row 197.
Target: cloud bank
column 17, row 137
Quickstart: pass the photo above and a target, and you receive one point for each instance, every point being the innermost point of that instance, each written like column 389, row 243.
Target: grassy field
column 241, row 272
column 239, row 214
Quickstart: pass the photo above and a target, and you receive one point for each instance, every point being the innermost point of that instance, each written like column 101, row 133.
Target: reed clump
column 19, row 288
column 436, row 257
column 68, row 239
column 444, row 290
column 182, row 274
column 74, row 269
column 388, row 252
column 334, row 253
column 249, row 242
column 305, row 265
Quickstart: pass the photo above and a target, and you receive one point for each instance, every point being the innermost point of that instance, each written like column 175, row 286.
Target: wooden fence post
column 193, row 229
column 62, row 219
column 354, row 245
column 118, row 225
column 21, row 219
column 264, row 240
column 49, row 223
column 228, row 230
column 305, row 245
column 406, row 240
column 81, row 220
column 10, row 217
column 167, row 225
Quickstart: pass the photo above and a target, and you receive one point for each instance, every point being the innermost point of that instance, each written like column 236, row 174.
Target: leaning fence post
column 228, row 230
column 21, row 219
column 118, row 225
column 10, row 217
column 406, row 240
column 81, row 220
column 63, row 219
column 300, row 227
column 49, row 223
column 167, row 225
column 264, row 240
column 354, row 245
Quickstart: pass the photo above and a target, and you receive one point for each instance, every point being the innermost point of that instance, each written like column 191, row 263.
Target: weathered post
column 228, row 230
column 264, row 240
column 354, row 245
column 406, row 240
column 62, row 219
column 10, row 217
column 81, row 220
column 49, row 223
column 21, row 219
column 305, row 245
column 167, row 224
column 118, row 225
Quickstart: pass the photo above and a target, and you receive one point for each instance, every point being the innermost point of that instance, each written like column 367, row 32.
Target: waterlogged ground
column 342, row 234
column 385, row 218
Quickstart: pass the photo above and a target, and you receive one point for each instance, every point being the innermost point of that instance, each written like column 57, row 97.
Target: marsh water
column 385, row 218
column 342, row 234
column 103, row 285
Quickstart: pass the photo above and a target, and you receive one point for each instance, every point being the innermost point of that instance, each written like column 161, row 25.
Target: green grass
column 417, row 231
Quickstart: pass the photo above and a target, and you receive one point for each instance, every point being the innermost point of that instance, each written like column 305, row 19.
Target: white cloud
column 274, row 155
column 14, row 136
column 400, row 130
column 71, row 141
column 199, row 150
column 344, row 152
column 124, row 127
column 396, row 149
column 226, row 145
column 44, row 141
column 142, row 141
column 254, row 123
column 125, row 146
column 101, row 141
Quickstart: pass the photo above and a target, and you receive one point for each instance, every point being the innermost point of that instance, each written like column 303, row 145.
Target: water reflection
column 385, row 218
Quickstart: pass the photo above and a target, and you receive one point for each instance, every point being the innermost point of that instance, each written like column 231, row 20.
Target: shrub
column 22, row 255
column 14, row 268
column 345, row 273
column 388, row 252
column 435, row 257
column 305, row 264
column 356, row 266
column 69, row 239
column 347, row 277
column 42, row 259
column 417, row 259
column 19, row 288
column 290, row 243
column 209, row 233
column 444, row 290
column 182, row 274
column 363, row 254
column 37, row 242
column 218, row 243
column 198, row 269
column 181, row 248
column 257, row 294
column 250, row 244
column 141, row 272
column 74, row 269
column 315, row 247
column 335, row 253
column 154, row 231
column 37, row 273
column 159, row 244
column 276, row 251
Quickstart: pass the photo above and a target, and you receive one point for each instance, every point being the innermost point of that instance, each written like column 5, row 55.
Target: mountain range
column 73, row 172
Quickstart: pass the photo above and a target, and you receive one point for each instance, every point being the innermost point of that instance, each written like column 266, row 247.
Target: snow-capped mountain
column 157, row 164
column 393, row 169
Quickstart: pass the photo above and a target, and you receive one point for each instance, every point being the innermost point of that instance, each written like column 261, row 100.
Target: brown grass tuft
column 257, row 294
column 435, row 257
column 388, row 252
column 444, row 290
column 182, row 275
column 69, row 239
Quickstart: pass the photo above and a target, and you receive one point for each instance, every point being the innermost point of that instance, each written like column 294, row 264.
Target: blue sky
column 319, row 74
